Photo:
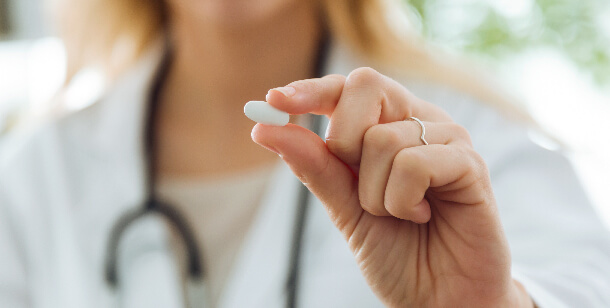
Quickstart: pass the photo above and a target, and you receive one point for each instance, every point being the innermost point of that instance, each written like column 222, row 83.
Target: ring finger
column 381, row 144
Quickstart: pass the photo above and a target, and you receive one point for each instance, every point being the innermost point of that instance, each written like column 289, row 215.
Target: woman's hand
column 420, row 219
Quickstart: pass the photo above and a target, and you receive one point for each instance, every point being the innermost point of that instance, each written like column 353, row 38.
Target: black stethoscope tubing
column 153, row 205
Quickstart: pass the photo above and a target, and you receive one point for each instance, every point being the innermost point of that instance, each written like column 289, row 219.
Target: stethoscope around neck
column 154, row 206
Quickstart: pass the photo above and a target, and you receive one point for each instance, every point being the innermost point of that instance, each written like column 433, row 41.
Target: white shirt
column 220, row 211
column 65, row 183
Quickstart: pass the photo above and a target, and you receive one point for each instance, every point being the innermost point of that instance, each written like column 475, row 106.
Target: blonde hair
column 108, row 33
column 114, row 33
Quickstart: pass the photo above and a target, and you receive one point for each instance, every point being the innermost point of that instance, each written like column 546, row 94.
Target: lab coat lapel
column 259, row 275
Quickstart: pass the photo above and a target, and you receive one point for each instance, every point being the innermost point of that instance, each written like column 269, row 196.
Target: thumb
column 324, row 174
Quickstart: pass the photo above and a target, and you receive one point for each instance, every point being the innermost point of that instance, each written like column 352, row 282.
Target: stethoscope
column 153, row 205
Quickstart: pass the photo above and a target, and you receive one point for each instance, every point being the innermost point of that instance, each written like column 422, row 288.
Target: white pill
column 264, row 113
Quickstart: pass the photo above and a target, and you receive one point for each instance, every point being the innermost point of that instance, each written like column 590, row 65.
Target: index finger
column 354, row 104
column 316, row 95
column 322, row 95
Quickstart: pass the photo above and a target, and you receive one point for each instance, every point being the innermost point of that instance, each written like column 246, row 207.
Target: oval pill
column 262, row 112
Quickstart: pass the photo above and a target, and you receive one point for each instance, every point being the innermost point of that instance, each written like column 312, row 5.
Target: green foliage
column 570, row 26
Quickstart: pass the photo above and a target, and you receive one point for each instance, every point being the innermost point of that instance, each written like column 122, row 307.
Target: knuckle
column 339, row 147
column 460, row 132
column 392, row 206
column 372, row 208
column 476, row 166
column 409, row 160
column 476, row 160
column 399, row 207
column 363, row 76
column 480, row 175
column 369, row 201
column 381, row 138
column 335, row 77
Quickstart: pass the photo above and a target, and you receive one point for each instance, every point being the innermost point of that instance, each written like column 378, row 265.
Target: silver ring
column 423, row 129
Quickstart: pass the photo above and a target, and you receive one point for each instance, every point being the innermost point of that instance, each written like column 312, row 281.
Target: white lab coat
column 64, row 184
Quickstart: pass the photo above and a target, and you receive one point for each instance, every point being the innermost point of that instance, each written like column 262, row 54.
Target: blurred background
column 553, row 55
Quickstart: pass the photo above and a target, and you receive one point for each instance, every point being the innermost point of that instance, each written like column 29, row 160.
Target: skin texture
column 421, row 220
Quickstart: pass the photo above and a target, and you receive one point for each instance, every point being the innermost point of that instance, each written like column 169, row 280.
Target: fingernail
column 287, row 91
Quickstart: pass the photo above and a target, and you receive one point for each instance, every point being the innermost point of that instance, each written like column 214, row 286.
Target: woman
column 418, row 215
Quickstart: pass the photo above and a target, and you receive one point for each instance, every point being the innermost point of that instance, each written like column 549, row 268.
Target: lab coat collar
column 114, row 110
column 106, row 131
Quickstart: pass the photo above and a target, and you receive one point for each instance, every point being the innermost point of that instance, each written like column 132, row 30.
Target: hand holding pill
column 420, row 219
